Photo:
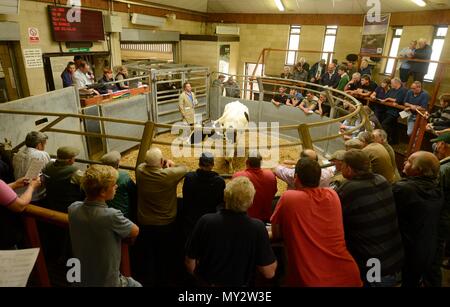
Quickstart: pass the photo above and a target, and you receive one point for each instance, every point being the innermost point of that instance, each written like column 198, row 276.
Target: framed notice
column 374, row 34
column 33, row 58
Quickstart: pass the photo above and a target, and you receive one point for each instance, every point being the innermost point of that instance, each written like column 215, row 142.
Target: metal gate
column 166, row 86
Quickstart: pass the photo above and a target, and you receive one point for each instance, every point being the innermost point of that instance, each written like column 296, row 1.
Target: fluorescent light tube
column 419, row 2
column 280, row 5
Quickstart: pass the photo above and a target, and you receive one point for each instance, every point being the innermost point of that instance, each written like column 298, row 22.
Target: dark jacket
column 61, row 192
column 422, row 54
column 202, row 193
column 332, row 80
column 365, row 71
column 313, row 70
column 66, row 77
column 104, row 89
column 419, row 202
column 444, row 181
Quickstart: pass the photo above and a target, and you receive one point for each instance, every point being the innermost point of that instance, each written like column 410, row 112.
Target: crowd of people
column 386, row 100
column 78, row 72
column 332, row 220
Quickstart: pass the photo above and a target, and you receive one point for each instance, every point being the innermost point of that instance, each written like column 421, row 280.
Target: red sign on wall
column 33, row 35
column 73, row 24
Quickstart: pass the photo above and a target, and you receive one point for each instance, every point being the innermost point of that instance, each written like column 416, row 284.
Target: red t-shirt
column 265, row 184
column 310, row 222
column 7, row 195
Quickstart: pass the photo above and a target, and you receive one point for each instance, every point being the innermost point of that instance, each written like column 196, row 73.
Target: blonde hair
column 239, row 194
column 98, row 178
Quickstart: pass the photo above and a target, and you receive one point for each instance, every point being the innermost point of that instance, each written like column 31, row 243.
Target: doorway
column 9, row 74
column 251, row 88
column 55, row 63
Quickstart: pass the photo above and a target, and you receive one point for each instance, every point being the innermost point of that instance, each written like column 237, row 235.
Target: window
column 251, row 87
column 153, row 51
column 393, row 51
column 294, row 40
column 330, row 39
column 437, row 46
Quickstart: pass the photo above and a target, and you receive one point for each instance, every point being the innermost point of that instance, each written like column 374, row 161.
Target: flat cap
column 111, row 158
column 67, row 152
column 354, row 143
column 338, row 155
column 442, row 138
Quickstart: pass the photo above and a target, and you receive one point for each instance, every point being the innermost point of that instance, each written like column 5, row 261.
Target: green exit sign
column 79, row 49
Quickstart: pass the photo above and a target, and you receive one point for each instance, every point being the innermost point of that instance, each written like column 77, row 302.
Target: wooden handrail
column 401, row 58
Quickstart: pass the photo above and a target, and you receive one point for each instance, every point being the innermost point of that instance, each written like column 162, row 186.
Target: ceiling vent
column 9, row 7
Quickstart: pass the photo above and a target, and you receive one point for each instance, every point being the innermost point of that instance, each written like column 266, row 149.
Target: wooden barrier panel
column 33, row 212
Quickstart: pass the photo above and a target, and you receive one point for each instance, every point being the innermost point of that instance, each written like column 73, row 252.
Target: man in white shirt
column 81, row 79
column 287, row 173
column 35, row 142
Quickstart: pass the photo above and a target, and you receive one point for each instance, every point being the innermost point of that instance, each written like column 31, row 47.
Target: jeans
column 411, row 123
column 389, row 124
column 418, row 76
column 404, row 74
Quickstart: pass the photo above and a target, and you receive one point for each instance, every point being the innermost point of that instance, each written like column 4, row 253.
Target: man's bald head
column 422, row 163
column 310, row 154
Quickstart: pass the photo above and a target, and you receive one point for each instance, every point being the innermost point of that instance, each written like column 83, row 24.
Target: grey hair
column 382, row 134
column 153, row 157
column 366, row 137
column 34, row 138
column 356, row 75
column 397, row 80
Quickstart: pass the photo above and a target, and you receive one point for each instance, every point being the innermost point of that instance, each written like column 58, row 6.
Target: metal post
column 147, row 140
column 303, row 132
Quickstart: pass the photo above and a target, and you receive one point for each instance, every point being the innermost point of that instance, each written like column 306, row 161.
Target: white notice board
column 33, row 58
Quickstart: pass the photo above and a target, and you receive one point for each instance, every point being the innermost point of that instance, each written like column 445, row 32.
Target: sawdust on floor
column 221, row 166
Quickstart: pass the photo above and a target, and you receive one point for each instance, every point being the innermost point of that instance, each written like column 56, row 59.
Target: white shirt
column 287, row 175
column 80, row 79
column 21, row 163
column 22, row 160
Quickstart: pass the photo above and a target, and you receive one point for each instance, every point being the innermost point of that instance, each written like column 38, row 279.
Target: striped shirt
column 370, row 223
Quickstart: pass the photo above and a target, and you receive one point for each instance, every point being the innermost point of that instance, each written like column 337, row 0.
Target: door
column 9, row 89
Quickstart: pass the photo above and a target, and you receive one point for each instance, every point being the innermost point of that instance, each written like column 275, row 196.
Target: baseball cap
column 338, row 155
column 206, row 159
column 67, row 152
column 442, row 138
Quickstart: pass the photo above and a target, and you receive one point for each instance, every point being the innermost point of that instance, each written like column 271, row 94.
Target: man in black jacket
column 202, row 192
column 419, row 201
column 316, row 71
column 331, row 78
column 423, row 52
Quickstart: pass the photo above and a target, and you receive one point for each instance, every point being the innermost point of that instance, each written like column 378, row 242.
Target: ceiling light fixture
column 419, row 2
column 280, row 5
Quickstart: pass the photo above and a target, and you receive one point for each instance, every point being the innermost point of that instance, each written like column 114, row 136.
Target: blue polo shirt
column 399, row 96
column 419, row 100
